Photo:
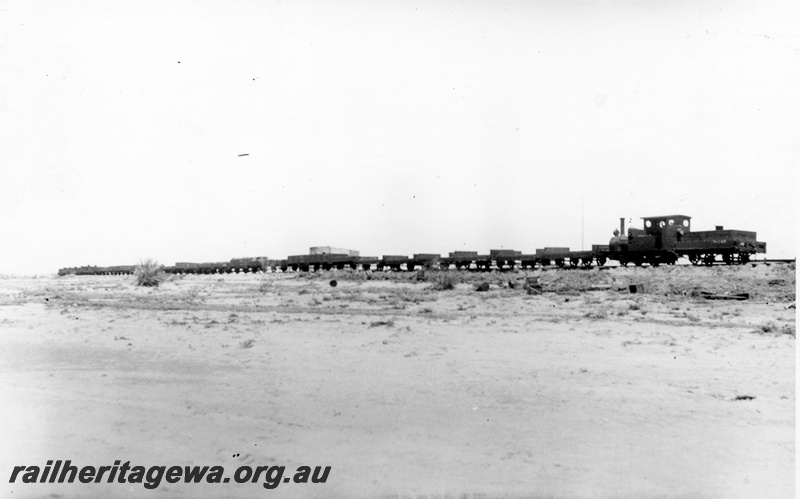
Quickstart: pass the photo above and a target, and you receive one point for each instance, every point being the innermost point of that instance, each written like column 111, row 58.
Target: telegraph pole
column 581, row 224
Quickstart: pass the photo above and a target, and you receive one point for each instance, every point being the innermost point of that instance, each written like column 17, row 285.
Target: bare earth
column 407, row 391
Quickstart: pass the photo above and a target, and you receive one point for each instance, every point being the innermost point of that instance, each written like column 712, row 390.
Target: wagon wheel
column 728, row 258
column 573, row 262
column 623, row 262
column 560, row 263
column 601, row 260
column 743, row 258
column 695, row 259
column 366, row 266
column 708, row 260
column 410, row 266
column 638, row 262
column 353, row 266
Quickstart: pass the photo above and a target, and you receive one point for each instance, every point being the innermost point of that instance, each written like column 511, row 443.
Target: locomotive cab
column 661, row 233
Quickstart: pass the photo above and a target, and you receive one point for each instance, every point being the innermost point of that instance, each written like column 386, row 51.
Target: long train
column 662, row 240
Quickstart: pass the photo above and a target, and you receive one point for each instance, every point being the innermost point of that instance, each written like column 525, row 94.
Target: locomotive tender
column 663, row 240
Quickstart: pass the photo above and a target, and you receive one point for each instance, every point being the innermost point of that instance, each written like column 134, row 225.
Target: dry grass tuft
column 387, row 323
column 265, row 285
column 597, row 314
column 772, row 328
column 149, row 273
column 442, row 280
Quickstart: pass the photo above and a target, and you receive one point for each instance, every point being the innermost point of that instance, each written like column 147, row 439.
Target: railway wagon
column 557, row 256
column 462, row 259
column 120, row 270
column 199, row 268
column 321, row 261
column 84, row 270
column 733, row 246
column 502, row 258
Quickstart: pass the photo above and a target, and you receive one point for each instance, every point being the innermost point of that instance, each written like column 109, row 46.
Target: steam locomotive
column 662, row 240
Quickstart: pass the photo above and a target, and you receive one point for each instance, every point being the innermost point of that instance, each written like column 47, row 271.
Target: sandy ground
column 405, row 391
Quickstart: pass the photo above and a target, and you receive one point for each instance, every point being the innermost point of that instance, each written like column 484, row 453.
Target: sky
column 206, row 130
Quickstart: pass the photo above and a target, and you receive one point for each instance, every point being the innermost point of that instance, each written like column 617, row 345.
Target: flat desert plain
column 582, row 390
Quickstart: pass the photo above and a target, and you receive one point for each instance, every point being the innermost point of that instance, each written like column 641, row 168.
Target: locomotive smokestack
column 621, row 226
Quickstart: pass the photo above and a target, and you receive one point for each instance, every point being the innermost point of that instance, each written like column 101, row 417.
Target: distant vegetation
column 149, row 273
